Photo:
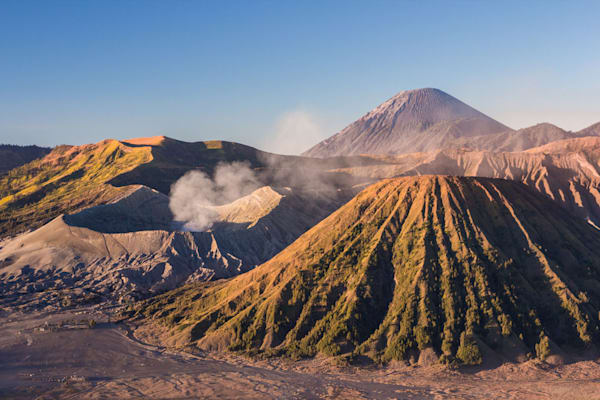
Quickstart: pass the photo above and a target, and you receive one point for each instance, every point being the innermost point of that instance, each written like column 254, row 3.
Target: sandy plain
column 56, row 355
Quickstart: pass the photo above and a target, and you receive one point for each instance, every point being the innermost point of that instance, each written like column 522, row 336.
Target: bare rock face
column 59, row 256
column 567, row 171
column 411, row 121
column 132, row 248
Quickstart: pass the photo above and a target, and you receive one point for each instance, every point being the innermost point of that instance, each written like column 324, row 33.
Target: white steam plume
column 195, row 194
column 294, row 132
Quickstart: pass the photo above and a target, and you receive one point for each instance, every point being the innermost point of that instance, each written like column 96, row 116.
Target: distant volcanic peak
column 427, row 105
column 409, row 122
column 410, row 264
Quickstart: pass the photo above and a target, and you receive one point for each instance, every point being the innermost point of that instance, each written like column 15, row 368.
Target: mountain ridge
column 72, row 178
column 461, row 267
column 13, row 156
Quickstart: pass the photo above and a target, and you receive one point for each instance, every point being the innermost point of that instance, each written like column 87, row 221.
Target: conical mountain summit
column 456, row 266
column 413, row 120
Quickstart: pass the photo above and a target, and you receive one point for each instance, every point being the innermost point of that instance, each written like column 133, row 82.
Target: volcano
column 411, row 121
column 454, row 267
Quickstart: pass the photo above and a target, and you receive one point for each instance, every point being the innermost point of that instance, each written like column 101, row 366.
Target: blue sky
column 282, row 74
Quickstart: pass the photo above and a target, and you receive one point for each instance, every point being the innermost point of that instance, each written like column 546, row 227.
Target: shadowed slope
column 12, row 156
column 454, row 264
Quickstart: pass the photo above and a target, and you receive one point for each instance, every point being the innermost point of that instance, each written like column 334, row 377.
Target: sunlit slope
column 72, row 178
column 458, row 265
column 567, row 171
column 66, row 180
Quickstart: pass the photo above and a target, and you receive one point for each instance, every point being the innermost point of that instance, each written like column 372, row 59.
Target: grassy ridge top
column 454, row 264
column 68, row 179
column 71, row 178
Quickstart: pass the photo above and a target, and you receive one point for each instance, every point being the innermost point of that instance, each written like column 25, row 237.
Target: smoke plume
column 294, row 132
column 194, row 196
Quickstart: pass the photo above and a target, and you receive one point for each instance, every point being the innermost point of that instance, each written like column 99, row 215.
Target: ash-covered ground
column 85, row 353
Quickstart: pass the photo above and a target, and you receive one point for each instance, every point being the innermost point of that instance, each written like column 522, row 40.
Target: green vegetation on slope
column 66, row 180
column 72, row 178
column 409, row 264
